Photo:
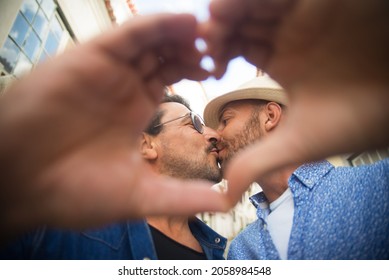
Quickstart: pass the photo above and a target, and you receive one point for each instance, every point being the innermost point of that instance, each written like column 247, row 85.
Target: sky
column 239, row 71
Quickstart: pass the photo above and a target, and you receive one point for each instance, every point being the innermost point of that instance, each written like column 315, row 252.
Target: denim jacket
column 130, row 240
column 339, row 213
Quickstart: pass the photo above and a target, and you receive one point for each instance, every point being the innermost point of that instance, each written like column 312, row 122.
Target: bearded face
column 192, row 164
column 232, row 142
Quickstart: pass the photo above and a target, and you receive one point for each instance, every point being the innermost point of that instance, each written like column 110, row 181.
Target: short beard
column 249, row 134
column 188, row 168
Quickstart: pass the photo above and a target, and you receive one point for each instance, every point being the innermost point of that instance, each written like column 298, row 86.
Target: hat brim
column 214, row 107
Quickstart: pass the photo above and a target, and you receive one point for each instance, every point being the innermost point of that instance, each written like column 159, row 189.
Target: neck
column 169, row 225
column 276, row 183
column 176, row 228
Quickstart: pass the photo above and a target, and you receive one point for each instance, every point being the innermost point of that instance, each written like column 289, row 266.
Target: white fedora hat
column 262, row 88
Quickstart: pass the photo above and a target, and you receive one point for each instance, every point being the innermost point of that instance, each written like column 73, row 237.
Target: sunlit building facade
column 33, row 31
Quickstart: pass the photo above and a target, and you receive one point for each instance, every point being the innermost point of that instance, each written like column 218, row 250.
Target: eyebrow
column 226, row 108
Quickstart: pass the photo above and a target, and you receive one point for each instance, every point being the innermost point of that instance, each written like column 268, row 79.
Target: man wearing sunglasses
column 178, row 144
column 175, row 144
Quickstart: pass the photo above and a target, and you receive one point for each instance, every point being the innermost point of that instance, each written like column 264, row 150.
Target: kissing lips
column 214, row 151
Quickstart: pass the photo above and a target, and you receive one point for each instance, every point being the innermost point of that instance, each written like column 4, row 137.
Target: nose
column 220, row 128
column 219, row 132
column 211, row 135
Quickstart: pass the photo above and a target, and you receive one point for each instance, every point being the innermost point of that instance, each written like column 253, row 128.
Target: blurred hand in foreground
column 69, row 152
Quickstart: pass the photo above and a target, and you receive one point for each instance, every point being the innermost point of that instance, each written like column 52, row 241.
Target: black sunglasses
column 197, row 121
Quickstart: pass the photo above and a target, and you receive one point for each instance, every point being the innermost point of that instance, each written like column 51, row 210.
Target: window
column 40, row 23
column 48, row 7
column 35, row 36
column 56, row 27
column 23, row 65
column 32, row 45
column 19, row 29
column 51, row 45
column 29, row 9
column 9, row 55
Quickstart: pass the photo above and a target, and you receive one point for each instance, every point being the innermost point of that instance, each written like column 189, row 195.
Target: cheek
column 230, row 133
column 194, row 145
column 235, row 139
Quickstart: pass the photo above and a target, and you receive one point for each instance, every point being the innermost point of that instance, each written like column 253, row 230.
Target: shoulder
column 356, row 188
column 247, row 235
column 46, row 243
column 241, row 246
column 377, row 172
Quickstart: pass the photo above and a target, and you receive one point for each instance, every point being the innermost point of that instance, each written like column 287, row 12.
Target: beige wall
column 8, row 12
column 87, row 18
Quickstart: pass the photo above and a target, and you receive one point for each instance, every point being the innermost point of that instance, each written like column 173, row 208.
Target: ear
column 148, row 147
column 273, row 114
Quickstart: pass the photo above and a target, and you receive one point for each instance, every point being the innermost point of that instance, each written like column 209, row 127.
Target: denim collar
column 205, row 235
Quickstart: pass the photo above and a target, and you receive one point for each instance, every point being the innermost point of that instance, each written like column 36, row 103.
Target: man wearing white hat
column 313, row 211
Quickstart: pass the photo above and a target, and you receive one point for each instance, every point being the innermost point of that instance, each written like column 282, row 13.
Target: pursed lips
column 215, row 150
column 220, row 149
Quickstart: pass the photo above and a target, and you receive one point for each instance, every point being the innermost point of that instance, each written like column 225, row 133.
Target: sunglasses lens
column 198, row 123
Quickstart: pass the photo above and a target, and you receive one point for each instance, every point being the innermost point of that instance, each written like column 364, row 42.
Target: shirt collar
column 205, row 234
column 259, row 200
column 311, row 173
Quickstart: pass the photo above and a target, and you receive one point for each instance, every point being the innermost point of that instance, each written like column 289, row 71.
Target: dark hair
column 153, row 129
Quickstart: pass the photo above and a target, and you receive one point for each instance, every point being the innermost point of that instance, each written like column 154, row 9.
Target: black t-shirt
column 169, row 249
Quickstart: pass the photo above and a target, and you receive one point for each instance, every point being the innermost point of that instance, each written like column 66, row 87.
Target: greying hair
column 153, row 128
